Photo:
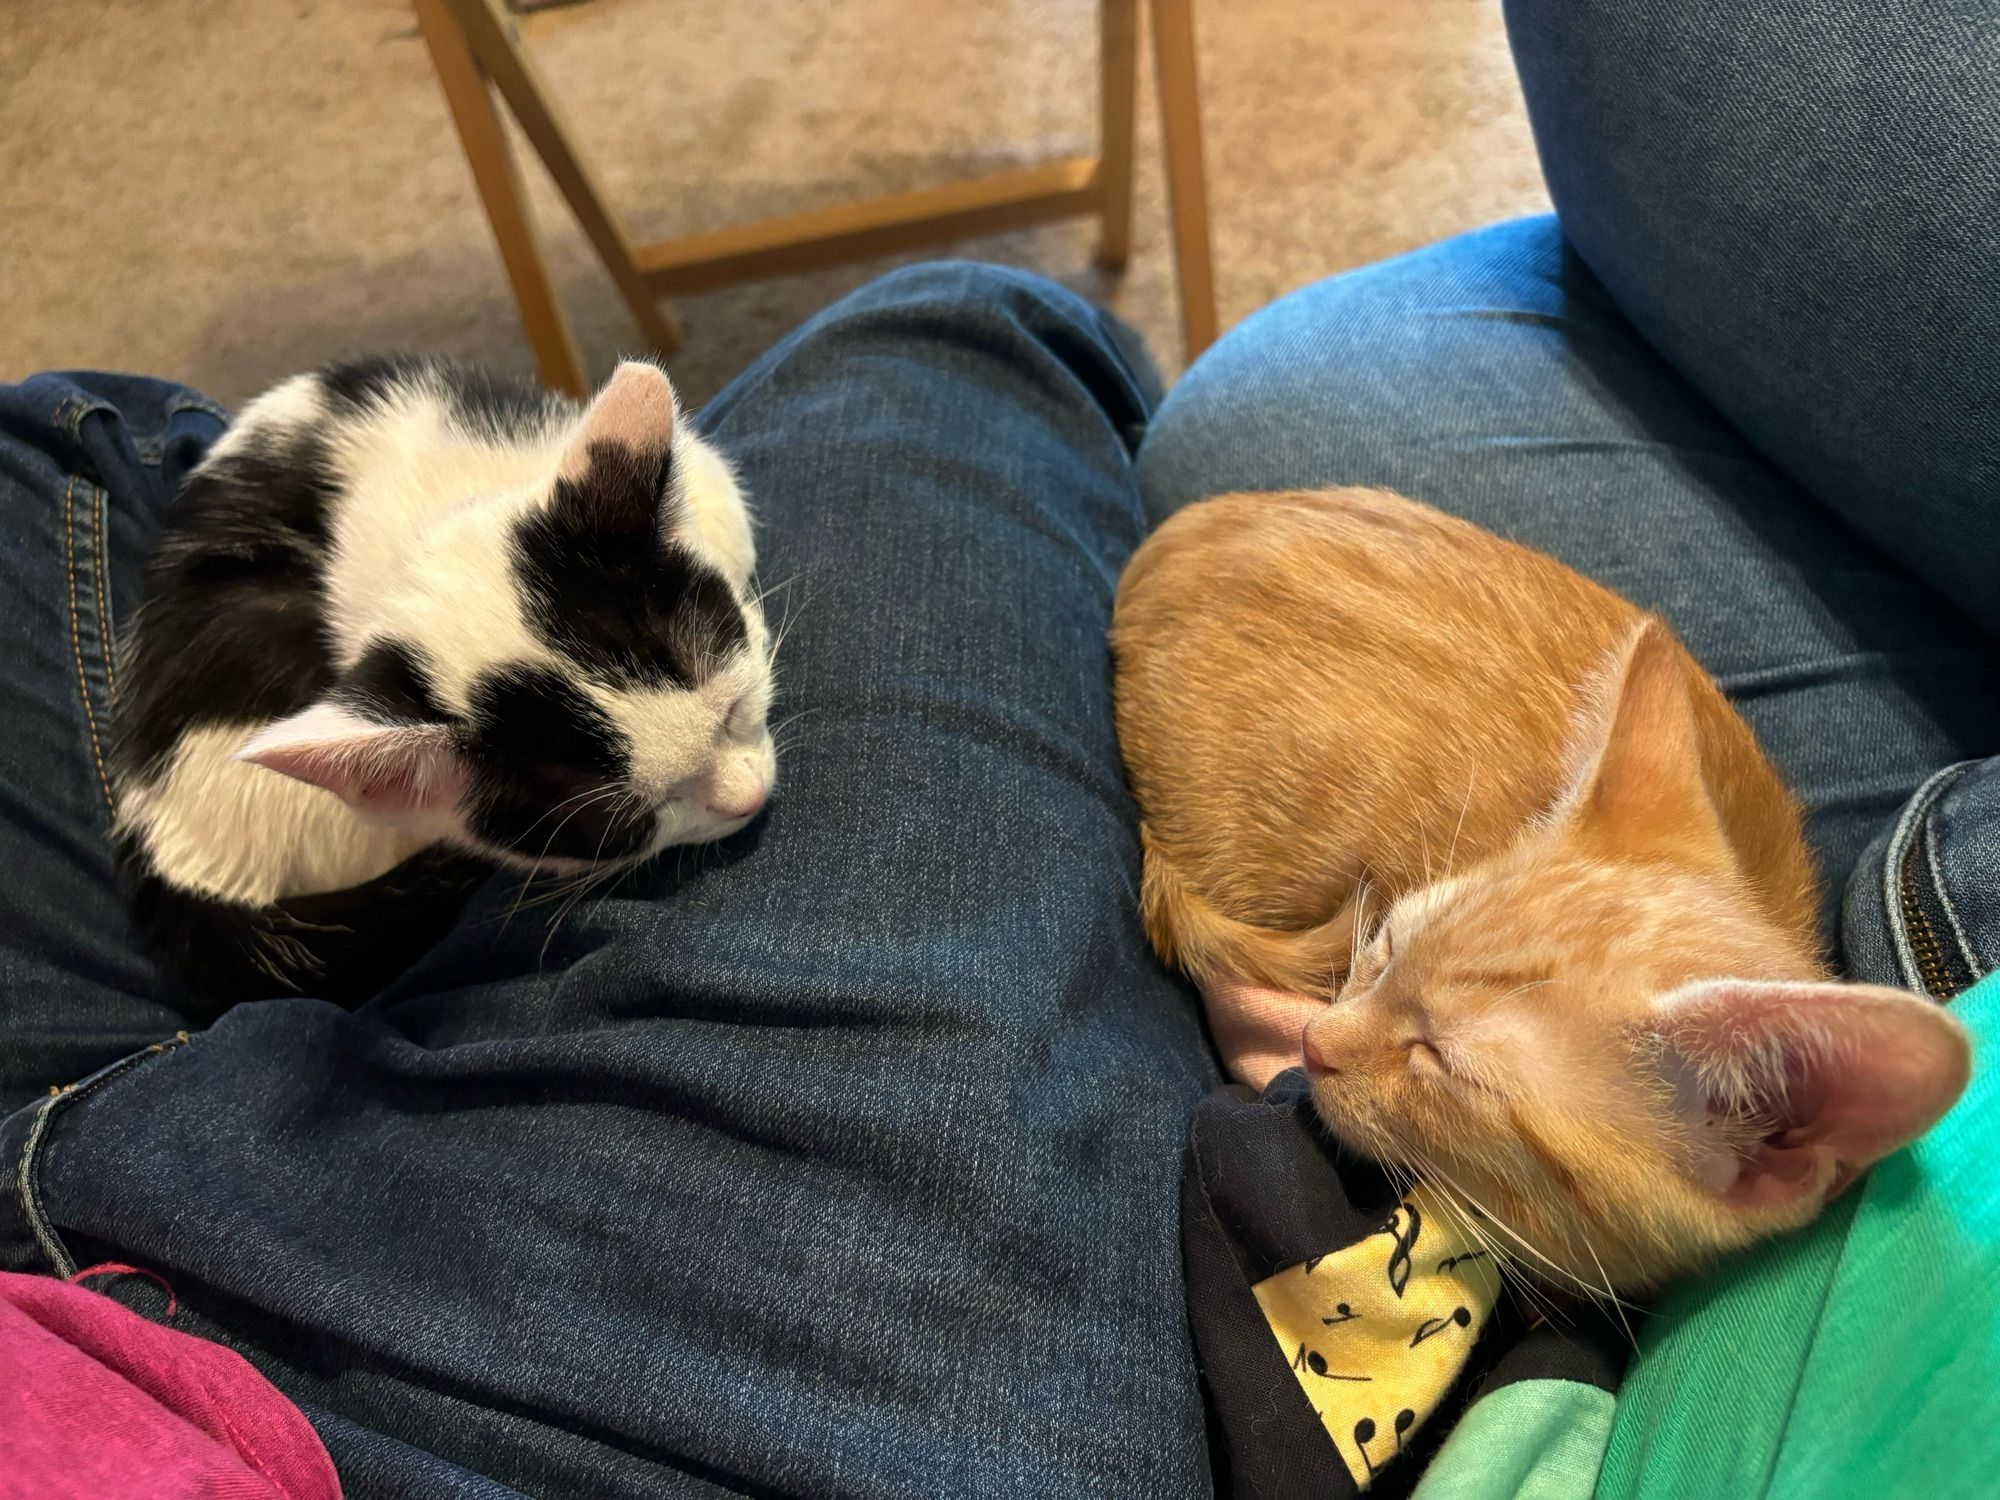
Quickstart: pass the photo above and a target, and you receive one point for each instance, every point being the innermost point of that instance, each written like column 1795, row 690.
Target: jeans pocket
column 1922, row 908
column 24, row 1144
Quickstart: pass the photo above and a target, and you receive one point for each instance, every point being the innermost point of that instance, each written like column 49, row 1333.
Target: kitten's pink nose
column 1315, row 1060
column 742, row 805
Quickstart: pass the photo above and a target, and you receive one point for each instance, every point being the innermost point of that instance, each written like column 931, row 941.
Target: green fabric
column 1859, row 1358
column 1531, row 1440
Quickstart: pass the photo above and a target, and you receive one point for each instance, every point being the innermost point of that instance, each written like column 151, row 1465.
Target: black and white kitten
column 406, row 624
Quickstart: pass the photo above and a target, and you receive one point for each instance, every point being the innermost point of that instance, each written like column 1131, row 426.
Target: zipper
column 1924, row 944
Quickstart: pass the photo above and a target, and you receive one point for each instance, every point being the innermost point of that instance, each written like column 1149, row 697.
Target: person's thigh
column 842, row 1159
column 87, row 464
column 1798, row 203
column 1490, row 376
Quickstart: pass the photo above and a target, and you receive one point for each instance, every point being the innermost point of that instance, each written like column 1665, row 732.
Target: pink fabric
column 1256, row 1030
column 96, row 1403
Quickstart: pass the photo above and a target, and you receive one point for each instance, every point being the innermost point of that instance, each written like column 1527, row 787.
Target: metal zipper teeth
column 1924, row 944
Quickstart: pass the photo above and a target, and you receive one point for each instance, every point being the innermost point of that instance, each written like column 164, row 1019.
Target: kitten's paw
column 1257, row 1030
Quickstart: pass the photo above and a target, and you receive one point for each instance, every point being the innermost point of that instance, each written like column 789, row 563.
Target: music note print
column 1453, row 1262
column 1404, row 1225
column 1430, row 1327
column 1364, row 1434
column 1346, row 1315
column 1313, row 1360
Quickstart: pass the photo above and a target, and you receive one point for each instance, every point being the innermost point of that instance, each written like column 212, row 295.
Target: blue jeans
column 840, row 1159
column 843, row 1159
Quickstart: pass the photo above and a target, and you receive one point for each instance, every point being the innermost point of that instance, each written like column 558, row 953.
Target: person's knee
column 997, row 309
column 1326, row 385
column 1237, row 418
column 956, row 289
column 969, row 321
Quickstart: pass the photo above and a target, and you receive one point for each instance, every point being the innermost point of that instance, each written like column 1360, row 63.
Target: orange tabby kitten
column 1558, row 901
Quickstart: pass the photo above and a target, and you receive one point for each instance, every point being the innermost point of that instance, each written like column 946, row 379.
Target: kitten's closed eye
column 1372, row 958
column 741, row 717
column 1427, row 1060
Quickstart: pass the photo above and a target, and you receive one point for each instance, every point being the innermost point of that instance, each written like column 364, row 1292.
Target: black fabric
column 1263, row 1438
column 1242, row 1142
column 1590, row 1347
column 1266, row 1187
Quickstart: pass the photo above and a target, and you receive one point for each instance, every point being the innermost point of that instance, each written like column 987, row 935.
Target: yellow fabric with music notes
column 1376, row 1333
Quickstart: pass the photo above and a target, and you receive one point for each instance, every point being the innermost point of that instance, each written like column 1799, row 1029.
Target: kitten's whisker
column 787, row 722
column 526, row 880
column 561, row 883
column 582, row 890
column 537, row 875
column 784, row 629
column 1522, row 1240
column 1362, row 892
column 595, row 796
column 1532, row 984
column 1447, row 1186
column 757, row 599
column 589, row 791
column 559, row 887
column 530, row 877
column 1472, row 773
column 1617, row 1302
column 604, row 794
column 1503, row 1260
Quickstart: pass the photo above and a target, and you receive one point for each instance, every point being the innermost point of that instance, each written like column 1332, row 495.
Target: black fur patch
column 230, row 630
column 605, row 586
column 483, row 402
column 391, row 684
column 505, row 408
column 361, row 383
column 343, row 946
column 545, row 760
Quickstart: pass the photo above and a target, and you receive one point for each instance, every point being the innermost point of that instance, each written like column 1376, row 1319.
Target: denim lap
column 87, row 465
column 841, row 1158
column 1491, row 376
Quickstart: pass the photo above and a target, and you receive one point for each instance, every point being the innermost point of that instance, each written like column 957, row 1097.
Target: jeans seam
column 100, row 570
column 27, row 1184
column 76, row 640
column 1908, row 827
column 69, row 416
column 196, row 403
column 1943, row 892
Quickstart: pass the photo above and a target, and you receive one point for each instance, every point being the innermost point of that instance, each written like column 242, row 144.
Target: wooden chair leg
column 498, row 178
column 496, row 45
column 1118, row 104
column 476, row 49
column 1187, row 186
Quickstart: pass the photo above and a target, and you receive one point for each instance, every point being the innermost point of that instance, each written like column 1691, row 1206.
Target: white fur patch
column 238, row 832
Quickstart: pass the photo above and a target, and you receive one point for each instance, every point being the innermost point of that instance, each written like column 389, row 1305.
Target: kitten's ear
column 1842, row 1075
column 383, row 769
column 634, row 412
column 1639, row 789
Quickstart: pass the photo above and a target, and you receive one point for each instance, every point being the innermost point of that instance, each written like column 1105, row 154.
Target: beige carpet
column 226, row 191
